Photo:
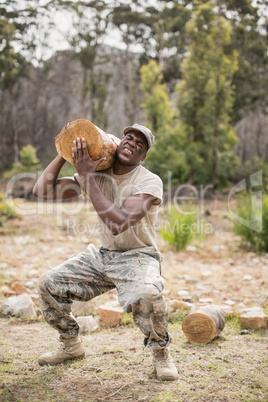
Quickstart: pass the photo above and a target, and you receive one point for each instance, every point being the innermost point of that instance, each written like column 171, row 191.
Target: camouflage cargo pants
column 134, row 273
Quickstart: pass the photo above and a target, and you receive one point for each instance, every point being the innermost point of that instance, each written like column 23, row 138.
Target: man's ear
column 143, row 158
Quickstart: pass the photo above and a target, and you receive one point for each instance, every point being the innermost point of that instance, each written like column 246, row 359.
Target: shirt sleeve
column 151, row 184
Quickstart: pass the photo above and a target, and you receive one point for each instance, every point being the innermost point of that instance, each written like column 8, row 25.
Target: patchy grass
column 232, row 368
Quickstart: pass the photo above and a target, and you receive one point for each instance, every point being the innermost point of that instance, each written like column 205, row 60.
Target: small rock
column 189, row 279
column 247, row 278
column 3, row 265
column 113, row 303
column 217, row 248
column 178, row 304
column 19, row 288
column 87, row 324
column 24, row 239
column 201, row 286
column 255, row 260
column 244, row 332
column 47, row 238
column 180, row 277
column 196, row 294
column 191, row 248
column 29, row 284
column 12, row 272
column 245, row 310
column 110, row 316
column 183, row 293
column 206, row 300
column 21, row 306
column 45, row 248
column 205, row 274
column 166, row 292
column 254, row 320
column 33, row 273
column 229, row 302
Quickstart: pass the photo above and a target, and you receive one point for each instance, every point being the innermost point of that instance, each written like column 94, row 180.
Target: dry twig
column 116, row 392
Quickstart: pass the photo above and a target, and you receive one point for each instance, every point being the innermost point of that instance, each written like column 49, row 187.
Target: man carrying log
column 126, row 198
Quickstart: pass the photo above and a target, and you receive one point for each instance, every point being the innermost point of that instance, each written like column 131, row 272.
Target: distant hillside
column 62, row 91
column 108, row 94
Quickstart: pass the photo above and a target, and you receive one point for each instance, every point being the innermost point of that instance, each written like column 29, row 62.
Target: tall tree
column 157, row 30
column 167, row 155
column 249, row 38
column 12, row 63
column 90, row 19
column 21, row 28
column 205, row 97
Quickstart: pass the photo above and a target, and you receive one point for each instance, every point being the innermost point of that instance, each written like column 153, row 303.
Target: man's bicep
column 137, row 205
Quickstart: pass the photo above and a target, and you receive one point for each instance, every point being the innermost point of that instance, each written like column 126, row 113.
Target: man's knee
column 44, row 283
column 151, row 292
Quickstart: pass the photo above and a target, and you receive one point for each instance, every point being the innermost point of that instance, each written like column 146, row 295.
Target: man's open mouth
column 127, row 151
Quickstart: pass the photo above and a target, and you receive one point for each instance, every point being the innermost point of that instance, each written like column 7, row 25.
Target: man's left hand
column 81, row 159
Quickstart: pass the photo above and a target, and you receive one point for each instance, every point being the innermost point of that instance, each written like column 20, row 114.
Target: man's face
column 132, row 149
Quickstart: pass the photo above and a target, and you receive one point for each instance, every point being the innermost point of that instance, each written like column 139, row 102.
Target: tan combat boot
column 71, row 348
column 164, row 366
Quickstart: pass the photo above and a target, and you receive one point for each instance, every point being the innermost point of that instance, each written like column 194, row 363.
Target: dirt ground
column 233, row 367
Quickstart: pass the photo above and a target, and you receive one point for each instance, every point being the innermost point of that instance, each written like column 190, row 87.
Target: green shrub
column 181, row 227
column 6, row 211
column 28, row 163
column 251, row 239
column 67, row 170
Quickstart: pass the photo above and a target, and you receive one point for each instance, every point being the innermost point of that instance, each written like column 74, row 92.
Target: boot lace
column 162, row 356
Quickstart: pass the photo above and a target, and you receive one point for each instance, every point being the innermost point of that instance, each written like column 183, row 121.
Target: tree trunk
column 204, row 324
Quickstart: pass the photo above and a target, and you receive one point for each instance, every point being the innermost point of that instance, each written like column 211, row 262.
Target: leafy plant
column 6, row 211
column 180, row 228
column 206, row 97
column 28, row 162
column 255, row 240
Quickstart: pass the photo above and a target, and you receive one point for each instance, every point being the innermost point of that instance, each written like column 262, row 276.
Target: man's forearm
column 110, row 214
column 48, row 178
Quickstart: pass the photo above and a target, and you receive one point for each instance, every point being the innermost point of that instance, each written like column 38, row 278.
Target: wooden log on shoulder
column 204, row 324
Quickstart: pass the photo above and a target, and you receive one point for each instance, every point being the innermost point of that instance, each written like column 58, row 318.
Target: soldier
column 126, row 199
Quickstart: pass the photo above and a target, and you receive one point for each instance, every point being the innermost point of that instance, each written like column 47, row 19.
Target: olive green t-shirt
column 119, row 187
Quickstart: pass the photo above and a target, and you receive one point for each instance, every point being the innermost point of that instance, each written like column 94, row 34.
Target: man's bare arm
column 50, row 187
column 117, row 219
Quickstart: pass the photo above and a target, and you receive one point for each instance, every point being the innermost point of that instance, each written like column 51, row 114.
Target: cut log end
column 199, row 328
column 78, row 128
column 204, row 325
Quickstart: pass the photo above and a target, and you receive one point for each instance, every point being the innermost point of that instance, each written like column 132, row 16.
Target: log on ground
column 204, row 324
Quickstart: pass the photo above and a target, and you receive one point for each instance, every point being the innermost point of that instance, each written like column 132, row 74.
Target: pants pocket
column 153, row 277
